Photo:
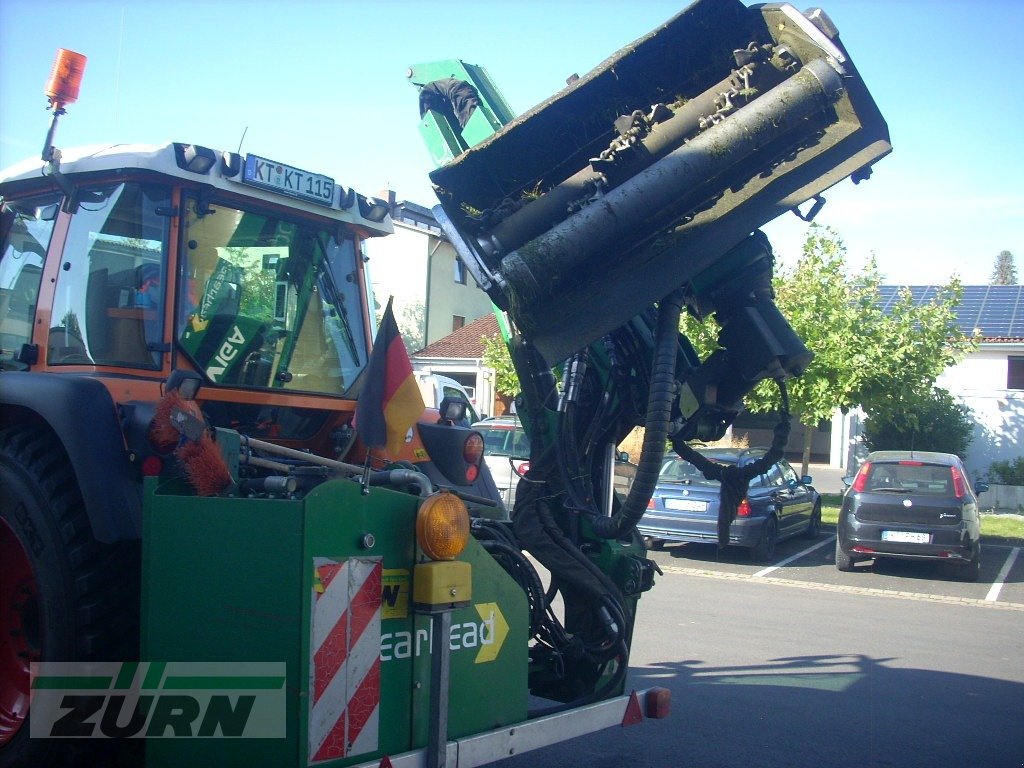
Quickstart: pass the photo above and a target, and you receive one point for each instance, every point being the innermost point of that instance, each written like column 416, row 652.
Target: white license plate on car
column 907, row 537
column 278, row 177
column 686, row 505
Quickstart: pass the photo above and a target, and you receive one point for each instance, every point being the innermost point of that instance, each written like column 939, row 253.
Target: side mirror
column 623, row 456
column 848, row 481
column 453, row 410
column 806, row 479
column 981, row 487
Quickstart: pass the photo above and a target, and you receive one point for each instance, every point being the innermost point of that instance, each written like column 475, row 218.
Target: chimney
column 389, row 195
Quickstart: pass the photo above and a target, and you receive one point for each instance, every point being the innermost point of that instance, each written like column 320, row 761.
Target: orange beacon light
column 65, row 78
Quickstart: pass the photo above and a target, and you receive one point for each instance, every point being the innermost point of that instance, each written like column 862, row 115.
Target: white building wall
column 979, row 381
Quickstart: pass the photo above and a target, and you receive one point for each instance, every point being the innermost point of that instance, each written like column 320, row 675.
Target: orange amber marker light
column 65, row 79
column 658, row 703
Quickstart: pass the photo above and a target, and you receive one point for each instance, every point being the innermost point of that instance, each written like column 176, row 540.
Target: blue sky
column 320, row 85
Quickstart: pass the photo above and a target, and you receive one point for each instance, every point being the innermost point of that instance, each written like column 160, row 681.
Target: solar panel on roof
column 997, row 310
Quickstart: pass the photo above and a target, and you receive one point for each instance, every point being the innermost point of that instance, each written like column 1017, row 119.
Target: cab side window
column 27, row 228
column 108, row 307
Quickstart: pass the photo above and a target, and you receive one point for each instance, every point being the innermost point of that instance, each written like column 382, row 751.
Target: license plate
column 686, row 505
column 278, row 177
column 907, row 537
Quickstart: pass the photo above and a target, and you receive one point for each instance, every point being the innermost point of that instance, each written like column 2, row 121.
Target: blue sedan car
column 778, row 505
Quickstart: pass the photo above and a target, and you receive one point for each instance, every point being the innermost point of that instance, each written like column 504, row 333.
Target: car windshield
column 503, row 441
column 681, row 471
column 909, row 477
column 270, row 303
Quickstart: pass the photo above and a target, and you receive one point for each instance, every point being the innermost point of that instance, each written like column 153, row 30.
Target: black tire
column 86, row 603
column 654, row 544
column 814, row 527
column 764, row 550
column 843, row 561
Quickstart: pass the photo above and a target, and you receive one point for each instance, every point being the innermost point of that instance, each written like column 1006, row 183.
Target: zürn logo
column 158, row 700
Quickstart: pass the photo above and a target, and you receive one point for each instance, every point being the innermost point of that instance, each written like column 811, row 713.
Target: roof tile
column 463, row 343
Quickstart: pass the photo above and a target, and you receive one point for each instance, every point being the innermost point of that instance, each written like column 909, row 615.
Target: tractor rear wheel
column 63, row 595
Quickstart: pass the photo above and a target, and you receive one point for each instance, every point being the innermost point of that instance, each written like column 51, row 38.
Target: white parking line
column 791, row 558
column 993, row 592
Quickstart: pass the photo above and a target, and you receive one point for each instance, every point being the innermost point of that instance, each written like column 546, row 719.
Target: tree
column 496, row 356
column 934, row 422
column 862, row 356
column 1005, row 271
column 409, row 317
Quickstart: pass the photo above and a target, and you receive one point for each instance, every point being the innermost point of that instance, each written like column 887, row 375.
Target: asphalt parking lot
column 811, row 563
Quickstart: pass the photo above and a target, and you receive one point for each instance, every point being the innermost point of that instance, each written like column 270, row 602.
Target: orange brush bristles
column 162, row 434
column 204, row 466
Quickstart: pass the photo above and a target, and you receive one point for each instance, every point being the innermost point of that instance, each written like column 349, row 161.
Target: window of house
column 457, row 322
column 1015, row 373
column 460, row 272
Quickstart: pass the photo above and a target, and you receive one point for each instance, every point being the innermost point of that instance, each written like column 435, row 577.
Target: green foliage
column 496, row 356
column 935, row 422
column 1004, row 272
column 258, row 294
column 862, row 356
column 1007, row 472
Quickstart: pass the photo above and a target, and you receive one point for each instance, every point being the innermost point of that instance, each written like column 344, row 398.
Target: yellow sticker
column 394, row 593
column 493, row 630
column 421, row 453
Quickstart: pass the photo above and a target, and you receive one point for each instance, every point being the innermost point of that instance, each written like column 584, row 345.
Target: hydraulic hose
column 403, row 477
column 659, row 414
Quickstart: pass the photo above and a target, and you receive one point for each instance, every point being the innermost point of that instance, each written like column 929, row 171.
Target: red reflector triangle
column 633, row 714
column 385, row 762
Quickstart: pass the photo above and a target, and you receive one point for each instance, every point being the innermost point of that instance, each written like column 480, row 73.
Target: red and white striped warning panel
column 344, row 669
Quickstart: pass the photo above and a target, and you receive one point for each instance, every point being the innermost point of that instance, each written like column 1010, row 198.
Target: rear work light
column 473, row 448
column 743, row 510
column 959, row 486
column 472, row 453
column 861, row 480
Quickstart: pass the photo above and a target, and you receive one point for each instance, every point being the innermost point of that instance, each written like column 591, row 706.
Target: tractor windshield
column 268, row 302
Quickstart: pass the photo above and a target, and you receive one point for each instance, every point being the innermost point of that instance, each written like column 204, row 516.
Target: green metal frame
column 231, row 579
column 443, row 140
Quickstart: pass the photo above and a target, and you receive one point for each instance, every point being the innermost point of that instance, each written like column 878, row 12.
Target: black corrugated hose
column 735, row 479
column 659, row 415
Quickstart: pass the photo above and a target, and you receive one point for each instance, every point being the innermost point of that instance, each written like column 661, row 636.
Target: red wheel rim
column 19, row 632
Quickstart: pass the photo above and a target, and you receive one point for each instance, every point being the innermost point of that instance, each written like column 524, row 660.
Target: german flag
column 390, row 401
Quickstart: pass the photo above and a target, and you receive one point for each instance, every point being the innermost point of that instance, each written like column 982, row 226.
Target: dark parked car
column 913, row 505
column 778, row 505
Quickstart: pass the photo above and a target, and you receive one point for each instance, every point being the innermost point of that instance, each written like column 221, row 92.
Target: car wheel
column 764, row 550
column 814, row 527
column 843, row 561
